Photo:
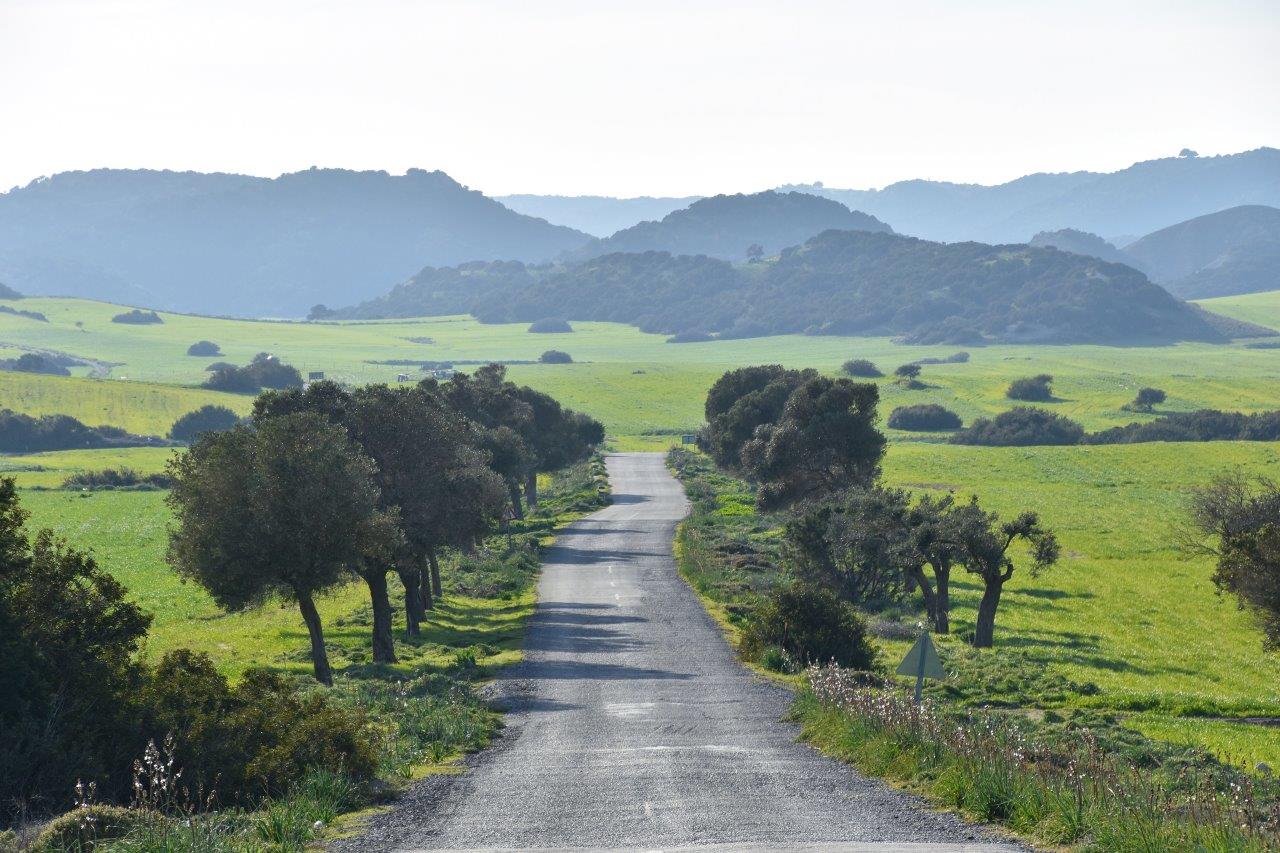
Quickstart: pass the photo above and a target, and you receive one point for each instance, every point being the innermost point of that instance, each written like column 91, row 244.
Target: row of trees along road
column 811, row 446
column 326, row 482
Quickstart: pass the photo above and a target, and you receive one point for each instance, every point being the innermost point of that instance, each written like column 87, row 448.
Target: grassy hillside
column 145, row 408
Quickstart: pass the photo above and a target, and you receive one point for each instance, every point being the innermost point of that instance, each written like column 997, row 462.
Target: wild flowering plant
column 998, row 767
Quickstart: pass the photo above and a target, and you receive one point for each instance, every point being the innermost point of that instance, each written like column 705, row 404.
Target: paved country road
column 632, row 725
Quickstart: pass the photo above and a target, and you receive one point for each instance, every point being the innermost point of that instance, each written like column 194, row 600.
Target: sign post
column 922, row 662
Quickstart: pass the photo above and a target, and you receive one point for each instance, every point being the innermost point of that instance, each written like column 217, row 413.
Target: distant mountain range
column 729, row 226
column 839, row 282
column 1120, row 206
column 1226, row 253
column 246, row 246
column 597, row 215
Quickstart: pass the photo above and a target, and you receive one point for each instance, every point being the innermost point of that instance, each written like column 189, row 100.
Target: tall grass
column 1063, row 791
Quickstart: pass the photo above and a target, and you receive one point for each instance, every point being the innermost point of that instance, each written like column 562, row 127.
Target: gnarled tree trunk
column 985, row 628
column 531, row 489
column 942, row 600
column 915, row 575
column 517, row 505
column 319, row 657
column 413, row 613
column 436, row 589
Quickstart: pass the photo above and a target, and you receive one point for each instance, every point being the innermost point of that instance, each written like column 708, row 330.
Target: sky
column 634, row 98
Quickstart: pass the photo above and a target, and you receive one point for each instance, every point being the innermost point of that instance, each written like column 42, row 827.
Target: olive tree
column 284, row 507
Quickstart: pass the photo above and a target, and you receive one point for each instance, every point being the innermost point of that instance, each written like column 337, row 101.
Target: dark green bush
column 811, row 625
column 34, row 362
column 88, row 827
column 550, row 325
column 255, row 738
column 204, row 419
column 117, row 478
column 1020, row 427
column 861, row 367
column 1201, row 425
column 925, row 417
column 555, row 356
column 204, row 348
column 137, row 317
column 265, row 371
column 1035, row 389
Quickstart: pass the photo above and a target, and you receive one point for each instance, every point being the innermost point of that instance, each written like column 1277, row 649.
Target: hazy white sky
column 628, row 98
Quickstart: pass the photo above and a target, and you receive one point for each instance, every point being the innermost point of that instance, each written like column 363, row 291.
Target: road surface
column 633, row 726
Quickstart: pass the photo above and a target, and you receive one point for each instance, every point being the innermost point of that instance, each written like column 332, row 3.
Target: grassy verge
column 1173, row 756
column 421, row 713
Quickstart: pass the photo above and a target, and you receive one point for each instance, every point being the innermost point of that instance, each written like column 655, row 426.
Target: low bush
column 21, row 433
column 550, row 325
column 210, row 418
column 927, row 417
column 33, row 362
column 1033, row 389
column 137, row 317
column 861, row 367
column 907, row 371
column 265, row 371
column 204, row 348
column 255, row 738
column 1021, row 427
column 1201, row 425
column 810, row 624
column 30, row 315
column 555, row 356
column 117, row 478
column 954, row 358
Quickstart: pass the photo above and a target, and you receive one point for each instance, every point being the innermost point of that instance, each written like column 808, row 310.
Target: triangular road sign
column 922, row 661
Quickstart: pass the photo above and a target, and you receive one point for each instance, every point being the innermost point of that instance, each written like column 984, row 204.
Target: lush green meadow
column 1123, row 610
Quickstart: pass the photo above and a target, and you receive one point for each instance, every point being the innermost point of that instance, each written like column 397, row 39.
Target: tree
column 282, row 507
column 68, row 672
column 741, row 401
column 926, row 417
column 1147, row 399
column 192, row 425
column 754, row 253
column 907, row 371
column 826, row 440
column 1239, row 517
column 204, row 348
column 1036, row 389
column 1021, row 426
column 982, row 545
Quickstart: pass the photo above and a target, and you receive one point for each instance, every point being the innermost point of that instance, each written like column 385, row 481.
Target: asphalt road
column 633, row 726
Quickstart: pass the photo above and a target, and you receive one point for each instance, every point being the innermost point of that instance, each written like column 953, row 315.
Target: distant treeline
column 1027, row 426
column 837, row 283
column 21, row 433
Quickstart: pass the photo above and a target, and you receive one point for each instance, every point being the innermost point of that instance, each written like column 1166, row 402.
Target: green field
column 1123, row 610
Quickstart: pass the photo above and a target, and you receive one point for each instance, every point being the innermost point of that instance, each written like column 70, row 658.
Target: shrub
column 1031, row 388
column 256, row 738
column 1020, row 427
column 810, row 624
column 21, row 433
column 83, row 829
column 1147, row 399
column 549, row 325
column 1201, row 425
column 219, row 365
column 204, row 419
column 204, row 348
column 907, row 371
column 32, row 362
column 954, row 358
column 117, row 478
column 320, row 311
column 137, row 317
column 30, row 315
column 265, row 371
column 926, row 417
column 861, row 367
column 555, row 356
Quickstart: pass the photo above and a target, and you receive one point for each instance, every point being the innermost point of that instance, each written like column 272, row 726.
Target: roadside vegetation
column 320, row 493
column 1050, row 731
